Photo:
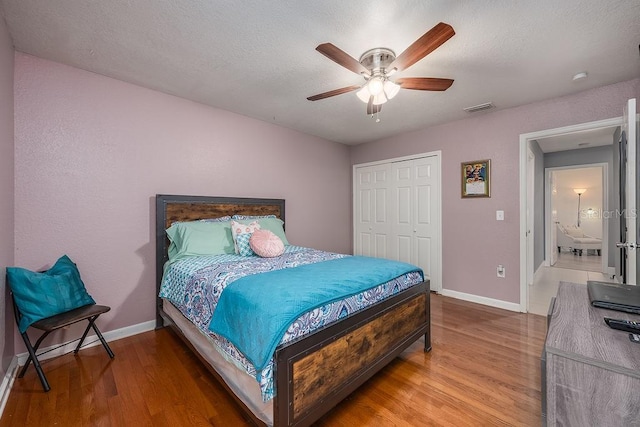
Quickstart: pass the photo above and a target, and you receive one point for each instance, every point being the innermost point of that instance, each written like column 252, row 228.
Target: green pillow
column 275, row 225
column 200, row 238
column 42, row 295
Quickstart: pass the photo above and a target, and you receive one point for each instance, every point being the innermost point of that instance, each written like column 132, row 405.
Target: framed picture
column 476, row 179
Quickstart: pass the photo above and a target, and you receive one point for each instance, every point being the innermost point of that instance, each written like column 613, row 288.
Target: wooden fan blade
column 341, row 58
column 426, row 44
column 372, row 109
column 333, row 93
column 424, row 83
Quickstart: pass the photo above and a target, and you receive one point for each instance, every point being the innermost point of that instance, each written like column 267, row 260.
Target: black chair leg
column 36, row 363
column 103, row 341
column 33, row 349
column 97, row 331
column 84, row 335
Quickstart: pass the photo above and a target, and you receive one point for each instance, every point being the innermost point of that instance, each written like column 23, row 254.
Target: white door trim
column 525, row 138
column 531, row 161
column 437, row 275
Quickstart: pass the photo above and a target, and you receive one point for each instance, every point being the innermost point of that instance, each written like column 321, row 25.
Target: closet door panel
column 365, row 202
column 404, row 248
column 425, row 181
column 372, row 211
column 380, row 210
column 402, row 211
column 364, row 244
column 381, row 246
column 403, row 206
column 423, row 205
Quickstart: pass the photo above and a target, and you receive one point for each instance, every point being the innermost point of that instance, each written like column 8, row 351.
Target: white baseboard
column 7, row 383
column 511, row 306
column 92, row 340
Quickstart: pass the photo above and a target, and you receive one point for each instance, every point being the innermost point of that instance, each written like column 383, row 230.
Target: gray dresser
column 590, row 372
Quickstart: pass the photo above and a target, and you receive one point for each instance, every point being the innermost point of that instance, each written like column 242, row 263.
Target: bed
column 311, row 373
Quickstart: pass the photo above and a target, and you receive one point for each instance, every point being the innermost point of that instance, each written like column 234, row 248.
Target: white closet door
column 426, row 223
column 402, row 212
column 372, row 227
column 397, row 213
column 414, row 213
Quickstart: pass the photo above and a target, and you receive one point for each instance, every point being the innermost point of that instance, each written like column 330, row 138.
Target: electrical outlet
column 500, row 271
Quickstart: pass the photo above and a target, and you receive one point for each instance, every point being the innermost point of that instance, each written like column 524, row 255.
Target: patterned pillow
column 241, row 234
column 266, row 244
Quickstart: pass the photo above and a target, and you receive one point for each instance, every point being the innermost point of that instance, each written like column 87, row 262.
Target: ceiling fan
column 377, row 65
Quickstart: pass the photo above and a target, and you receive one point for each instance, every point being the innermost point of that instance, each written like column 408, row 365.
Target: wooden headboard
column 172, row 208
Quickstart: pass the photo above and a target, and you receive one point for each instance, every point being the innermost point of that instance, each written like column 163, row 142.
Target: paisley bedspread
column 194, row 286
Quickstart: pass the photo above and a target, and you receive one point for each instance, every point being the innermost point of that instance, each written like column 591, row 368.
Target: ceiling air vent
column 479, row 107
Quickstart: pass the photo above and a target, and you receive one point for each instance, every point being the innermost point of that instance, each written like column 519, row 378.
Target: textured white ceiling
column 258, row 58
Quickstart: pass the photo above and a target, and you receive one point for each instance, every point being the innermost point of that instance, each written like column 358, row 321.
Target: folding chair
column 88, row 312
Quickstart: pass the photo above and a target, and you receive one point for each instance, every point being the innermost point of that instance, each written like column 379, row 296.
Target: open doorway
column 570, row 140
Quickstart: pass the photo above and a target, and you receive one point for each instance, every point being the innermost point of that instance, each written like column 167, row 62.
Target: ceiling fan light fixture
column 380, row 98
column 380, row 88
column 376, row 85
column 363, row 94
column 377, row 65
column 391, row 89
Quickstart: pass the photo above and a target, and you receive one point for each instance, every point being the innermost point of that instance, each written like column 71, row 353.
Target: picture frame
column 476, row 179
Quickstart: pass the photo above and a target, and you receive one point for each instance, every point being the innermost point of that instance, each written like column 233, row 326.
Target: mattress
column 194, row 286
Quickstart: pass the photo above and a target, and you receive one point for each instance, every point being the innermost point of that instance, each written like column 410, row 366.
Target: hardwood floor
column 484, row 370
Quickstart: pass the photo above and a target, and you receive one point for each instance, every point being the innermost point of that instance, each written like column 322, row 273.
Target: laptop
column 614, row 296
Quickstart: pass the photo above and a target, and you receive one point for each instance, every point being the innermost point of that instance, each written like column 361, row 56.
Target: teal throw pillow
column 244, row 248
column 42, row 295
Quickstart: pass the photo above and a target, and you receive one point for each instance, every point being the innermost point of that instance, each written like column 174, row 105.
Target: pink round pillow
column 266, row 244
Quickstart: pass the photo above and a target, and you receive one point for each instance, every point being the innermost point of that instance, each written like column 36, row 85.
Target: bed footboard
column 315, row 374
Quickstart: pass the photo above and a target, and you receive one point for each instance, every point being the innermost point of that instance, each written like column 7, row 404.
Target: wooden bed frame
column 314, row 373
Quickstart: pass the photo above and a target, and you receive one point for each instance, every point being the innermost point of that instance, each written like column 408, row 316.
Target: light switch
column 499, row 215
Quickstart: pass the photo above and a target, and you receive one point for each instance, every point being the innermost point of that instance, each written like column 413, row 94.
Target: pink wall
column 6, row 191
column 474, row 243
column 92, row 152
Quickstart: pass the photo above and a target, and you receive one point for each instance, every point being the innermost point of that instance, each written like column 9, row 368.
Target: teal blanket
column 254, row 312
